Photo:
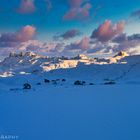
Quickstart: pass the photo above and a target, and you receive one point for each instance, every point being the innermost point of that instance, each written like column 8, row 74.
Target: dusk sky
column 69, row 27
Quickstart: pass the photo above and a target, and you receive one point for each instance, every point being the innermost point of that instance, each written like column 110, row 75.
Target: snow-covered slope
column 60, row 110
column 30, row 62
column 74, row 113
column 118, row 69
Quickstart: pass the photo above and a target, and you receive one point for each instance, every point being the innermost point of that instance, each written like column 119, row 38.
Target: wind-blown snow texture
column 78, row 113
column 107, row 109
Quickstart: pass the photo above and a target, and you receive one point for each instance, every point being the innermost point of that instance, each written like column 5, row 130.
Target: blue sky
column 51, row 22
column 50, row 17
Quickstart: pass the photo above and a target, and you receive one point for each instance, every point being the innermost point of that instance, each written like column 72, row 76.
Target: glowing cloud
column 77, row 10
column 11, row 39
column 107, row 31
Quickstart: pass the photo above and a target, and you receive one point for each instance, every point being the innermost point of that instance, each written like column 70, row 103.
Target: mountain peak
column 81, row 57
column 121, row 54
column 23, row 54
column 30, row 62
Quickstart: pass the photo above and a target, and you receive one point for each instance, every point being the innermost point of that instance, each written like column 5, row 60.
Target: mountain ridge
column 120, row 67
column 29, row 59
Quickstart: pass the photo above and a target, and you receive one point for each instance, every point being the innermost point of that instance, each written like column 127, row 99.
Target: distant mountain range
column 121, row 67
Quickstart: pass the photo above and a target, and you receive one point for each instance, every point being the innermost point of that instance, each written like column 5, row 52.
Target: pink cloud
column 24, row 34
column 75, row 3
column 84, row 43
column 26, row 6
column 107, row 31
column 77, row 10
column 81, row 45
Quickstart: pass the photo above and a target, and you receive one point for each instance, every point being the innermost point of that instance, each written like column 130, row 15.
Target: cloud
column 107, row 31
column 122, row 42
column 36, row 46
column 75, row 3
column 79, row 45
column 23, row 40
column 11, row 39
column 123, row 37
column 68, row 34
column 31, row 46
column 99, row 48
column 78, row 10
column 134, row 37
column 84, row 43
column 26, row 7
column 24, row 34
column 120, row 38
column 130, row 43
column 108, row 39
column 136, row 13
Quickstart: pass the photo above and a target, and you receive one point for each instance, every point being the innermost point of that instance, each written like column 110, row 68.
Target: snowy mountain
column 74, row 98
column 29, row 62
column 120, row 68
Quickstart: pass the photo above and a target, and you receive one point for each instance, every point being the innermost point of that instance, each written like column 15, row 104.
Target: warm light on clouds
column 24, row 34
column 78, row 10
column 107, row 31
column 69, row 27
